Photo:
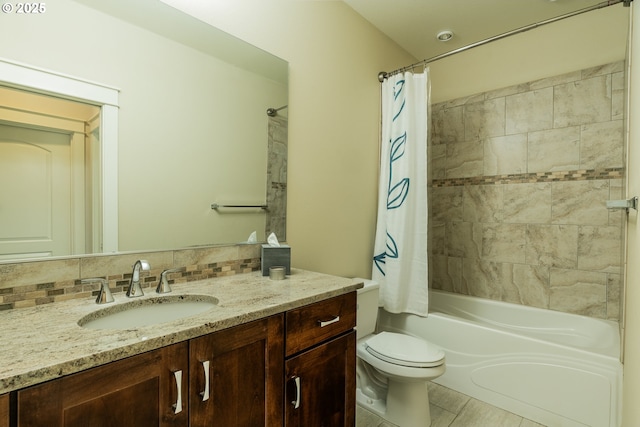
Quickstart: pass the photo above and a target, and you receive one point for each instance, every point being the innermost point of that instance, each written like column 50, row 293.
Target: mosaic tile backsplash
column 27, row 284
column 520, row 178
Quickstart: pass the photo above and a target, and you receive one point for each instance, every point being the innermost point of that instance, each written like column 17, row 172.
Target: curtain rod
column 383, row 74
column 272, row 112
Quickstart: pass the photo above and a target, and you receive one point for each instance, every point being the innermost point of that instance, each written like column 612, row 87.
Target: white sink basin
column 148, row 311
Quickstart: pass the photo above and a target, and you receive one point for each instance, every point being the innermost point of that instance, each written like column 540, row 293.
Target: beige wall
column 334, row 58
column 631, row 392
column 583, row 41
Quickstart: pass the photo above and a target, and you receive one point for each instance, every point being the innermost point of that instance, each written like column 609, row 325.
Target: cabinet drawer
column 314, row 323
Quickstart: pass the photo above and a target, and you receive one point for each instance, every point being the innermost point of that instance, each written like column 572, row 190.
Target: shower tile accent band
column 535, row 177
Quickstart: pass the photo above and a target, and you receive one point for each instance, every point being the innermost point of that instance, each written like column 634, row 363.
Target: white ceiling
column 413, row 24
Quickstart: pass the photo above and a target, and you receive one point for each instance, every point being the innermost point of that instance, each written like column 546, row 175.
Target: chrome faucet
column 104, row 294
column 134, row 289
column 163, row 284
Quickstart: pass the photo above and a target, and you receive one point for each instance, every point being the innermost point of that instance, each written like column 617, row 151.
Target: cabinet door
column 4, row 410
column 135, row 392
column 320, row 388
column 236, row 376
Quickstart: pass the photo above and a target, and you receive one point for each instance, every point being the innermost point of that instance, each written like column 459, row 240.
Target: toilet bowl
column 393, row 368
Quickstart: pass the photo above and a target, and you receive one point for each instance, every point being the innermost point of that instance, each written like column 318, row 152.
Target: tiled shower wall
column 278, row 138
column 520, row 177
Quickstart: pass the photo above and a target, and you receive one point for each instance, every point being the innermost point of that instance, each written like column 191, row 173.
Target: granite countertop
column 45, row 342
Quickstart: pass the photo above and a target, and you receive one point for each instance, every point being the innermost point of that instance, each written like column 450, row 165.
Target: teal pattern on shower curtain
column 400, row 249
column 397, row 189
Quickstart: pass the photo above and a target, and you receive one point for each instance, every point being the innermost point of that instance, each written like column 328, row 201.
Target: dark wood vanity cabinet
column 236, row 376
column 138, row 391
column 297, row 366
column 4, row 410
column 229, row 378
column 320, row 364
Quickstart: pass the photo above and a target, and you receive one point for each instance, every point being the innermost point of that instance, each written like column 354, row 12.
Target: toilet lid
column 404, row 350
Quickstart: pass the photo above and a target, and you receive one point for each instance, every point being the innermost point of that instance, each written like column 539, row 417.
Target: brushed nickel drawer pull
column 205, row 393
column 177, row 407
column 328, row 322
column 296, row 401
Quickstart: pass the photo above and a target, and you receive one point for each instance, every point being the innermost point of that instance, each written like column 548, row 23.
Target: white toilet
column 392, row 368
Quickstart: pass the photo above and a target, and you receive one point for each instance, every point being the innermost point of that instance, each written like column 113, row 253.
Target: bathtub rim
column 614, row 350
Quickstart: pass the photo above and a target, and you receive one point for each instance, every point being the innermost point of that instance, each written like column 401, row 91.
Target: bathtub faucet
column 134, row 289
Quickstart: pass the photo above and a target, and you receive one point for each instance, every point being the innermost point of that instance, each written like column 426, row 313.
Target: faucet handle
column 104, row 294
column 163, row 284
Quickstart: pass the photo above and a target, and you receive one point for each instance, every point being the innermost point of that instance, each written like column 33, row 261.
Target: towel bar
column 217, row 206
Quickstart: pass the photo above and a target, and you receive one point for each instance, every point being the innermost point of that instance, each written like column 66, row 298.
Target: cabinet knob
column 205, row 393
column 177, row 407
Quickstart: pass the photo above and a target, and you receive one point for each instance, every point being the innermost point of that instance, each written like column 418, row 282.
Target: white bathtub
column 554, row 368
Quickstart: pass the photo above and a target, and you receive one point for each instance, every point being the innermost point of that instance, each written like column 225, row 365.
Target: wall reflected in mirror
column 192, row 129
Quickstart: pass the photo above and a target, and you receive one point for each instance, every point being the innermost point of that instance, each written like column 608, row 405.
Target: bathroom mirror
column 192, row 124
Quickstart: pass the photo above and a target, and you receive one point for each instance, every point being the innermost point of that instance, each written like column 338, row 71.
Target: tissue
column 252, row 238
column 275, row 254
column 272, row 240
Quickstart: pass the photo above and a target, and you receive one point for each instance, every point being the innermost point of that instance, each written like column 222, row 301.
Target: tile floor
column 452, row 409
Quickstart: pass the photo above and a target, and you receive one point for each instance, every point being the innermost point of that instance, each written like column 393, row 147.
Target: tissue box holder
column 275, row 256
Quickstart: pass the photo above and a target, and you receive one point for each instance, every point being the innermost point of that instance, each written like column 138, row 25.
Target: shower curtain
column 400, row 251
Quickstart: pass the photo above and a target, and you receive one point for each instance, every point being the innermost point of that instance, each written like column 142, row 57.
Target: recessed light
column 444, row 36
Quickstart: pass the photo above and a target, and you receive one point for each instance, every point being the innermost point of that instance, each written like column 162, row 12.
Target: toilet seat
column 404, row 350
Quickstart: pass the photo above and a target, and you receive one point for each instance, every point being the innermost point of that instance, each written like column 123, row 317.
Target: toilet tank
column 367, row 313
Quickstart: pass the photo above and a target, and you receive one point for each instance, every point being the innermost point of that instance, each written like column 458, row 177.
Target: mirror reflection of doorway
column 49, row 176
